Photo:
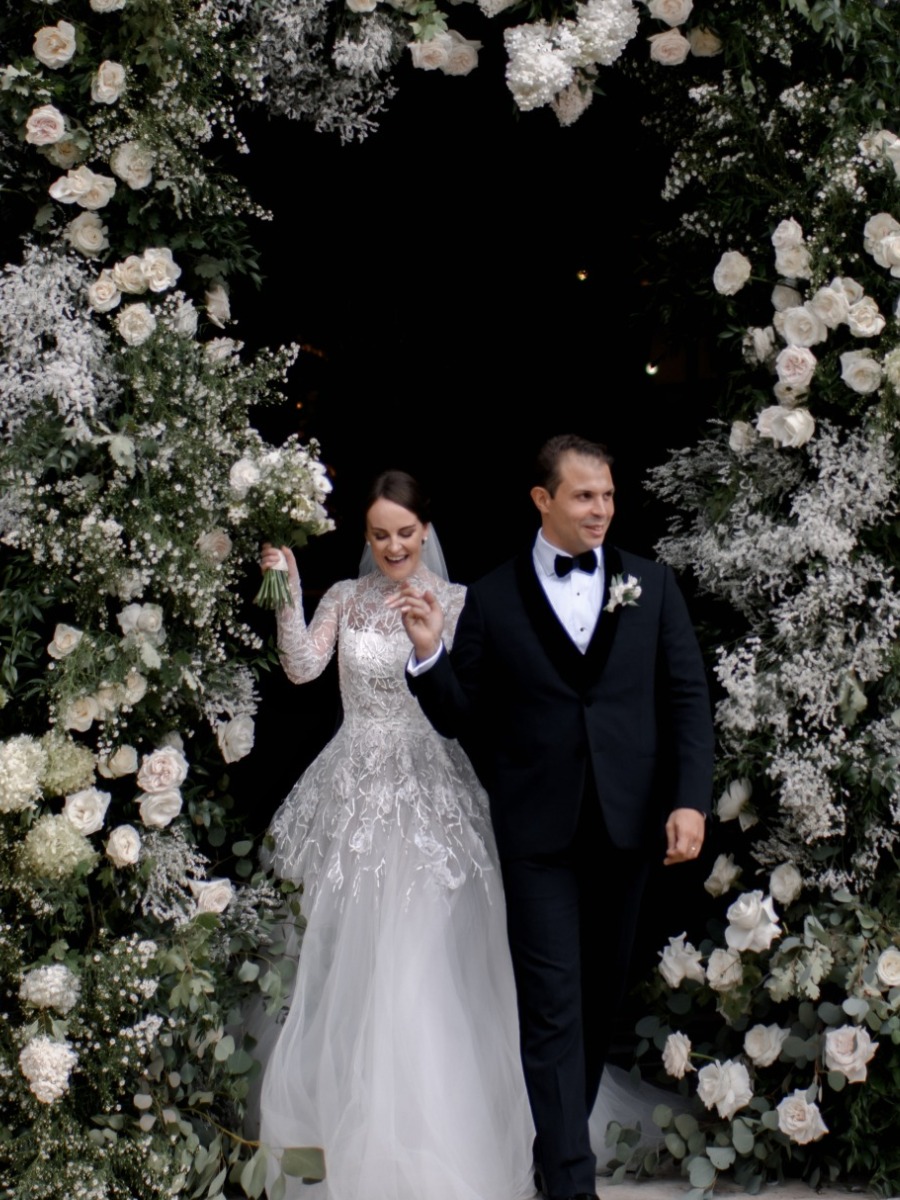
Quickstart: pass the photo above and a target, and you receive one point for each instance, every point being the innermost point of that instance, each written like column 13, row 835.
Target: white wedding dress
column 399, row 1055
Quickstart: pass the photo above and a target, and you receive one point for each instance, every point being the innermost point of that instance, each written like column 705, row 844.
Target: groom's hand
column 423, row 619
column 685, row 830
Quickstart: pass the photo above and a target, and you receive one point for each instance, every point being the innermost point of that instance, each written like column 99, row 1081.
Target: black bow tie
column 587, row 561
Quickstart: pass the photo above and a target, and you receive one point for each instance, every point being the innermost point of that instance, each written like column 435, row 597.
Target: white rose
column 135, row 324
column 218, row 308
column 785, row 883
column 242, row 476
column 676, row 1056
column 830, row 305
column 160, row 269
column 463, row 55
column 212, row 895
column 124, row 846
column 669, row 49
column 81, row 714
column 215, row 545
column 162, row 770
column 732, row 273
column 795, row 366
column 134, row 687
column 672, row 12
column 221, row 349
column 789, row 397
column 45, row 126
column 861, row 371
column 724, row 970
column 83, row 187
column 108, row 83
column 679, row 961
column 880, row 226
column 742, row 437
column 432, row 55
column 799, row 326
column 704, row 43
column 847, row 1050
column 724, row 875
column 122, row 761
column 787, row 233
column 759, row 344
column 886, row 252
column 752, row 923
column 793, row 262
column 54, row 45
column 873, row 144
column 763, row 1043
column 362, row 6
column 790, row 427
column 850, row 288
column 130, row 276
column 725, row 1085
column 734, row 800
column 133, row 163
column 785, row 297
column 160, row 809
column 64, row 154
column 864, row 319
column 103, row 295
column 800, row 1120
column 235, row 738
column 105, row 6
column 184, row 320
column 65, row 639
column 87, row 234
column 86, row 809
column 888, row 967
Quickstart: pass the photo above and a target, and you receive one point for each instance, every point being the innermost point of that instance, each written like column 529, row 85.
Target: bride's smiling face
column 395, row 536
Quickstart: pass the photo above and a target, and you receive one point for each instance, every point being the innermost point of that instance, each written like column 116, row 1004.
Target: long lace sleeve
column 305, row 650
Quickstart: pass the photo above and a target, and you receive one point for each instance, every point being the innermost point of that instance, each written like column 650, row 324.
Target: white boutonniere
column 623, row 590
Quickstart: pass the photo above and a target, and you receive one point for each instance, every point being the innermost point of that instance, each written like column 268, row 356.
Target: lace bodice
column 386, row 770
column 372, row 644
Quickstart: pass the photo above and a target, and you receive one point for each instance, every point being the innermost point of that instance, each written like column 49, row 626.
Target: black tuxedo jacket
column 536, row 715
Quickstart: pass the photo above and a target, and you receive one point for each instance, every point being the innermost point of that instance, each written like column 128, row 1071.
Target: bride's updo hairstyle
column 402, row 489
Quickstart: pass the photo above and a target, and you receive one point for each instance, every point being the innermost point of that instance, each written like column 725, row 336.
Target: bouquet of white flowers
column 281, row 492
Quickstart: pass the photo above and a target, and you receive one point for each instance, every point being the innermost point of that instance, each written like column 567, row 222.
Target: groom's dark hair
column 547, row 472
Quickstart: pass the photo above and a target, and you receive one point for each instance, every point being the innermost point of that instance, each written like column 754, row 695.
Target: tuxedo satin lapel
column 565, row 656
column 605, row 630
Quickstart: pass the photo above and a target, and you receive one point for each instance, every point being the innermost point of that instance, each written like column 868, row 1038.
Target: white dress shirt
column 576, row 597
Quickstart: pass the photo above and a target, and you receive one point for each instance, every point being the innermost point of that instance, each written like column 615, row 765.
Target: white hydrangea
column 47, row 1065
column 22, row 761
column 53, row 986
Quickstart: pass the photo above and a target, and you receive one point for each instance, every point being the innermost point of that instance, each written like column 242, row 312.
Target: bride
column 399, row 1054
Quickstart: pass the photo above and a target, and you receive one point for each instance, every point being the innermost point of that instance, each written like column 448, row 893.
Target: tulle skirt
column 399, row 1055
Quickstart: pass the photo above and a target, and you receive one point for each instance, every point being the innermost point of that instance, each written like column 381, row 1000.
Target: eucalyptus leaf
column 721, row 1157
column 224, row 1048
column 304, row 1161
column 675, row 1145
column 662, row 1116
column 701, row 1173
column 686, row 1124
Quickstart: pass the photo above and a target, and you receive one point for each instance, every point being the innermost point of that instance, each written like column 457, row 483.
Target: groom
column 576, row 685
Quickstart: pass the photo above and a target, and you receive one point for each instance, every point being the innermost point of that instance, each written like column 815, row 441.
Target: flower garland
column 125, row 520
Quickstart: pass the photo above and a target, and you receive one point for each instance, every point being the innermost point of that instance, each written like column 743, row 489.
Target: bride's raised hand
column 273, row 559
column 423, row 618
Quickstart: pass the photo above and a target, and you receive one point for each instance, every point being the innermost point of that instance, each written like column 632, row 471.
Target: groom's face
column 576, row 517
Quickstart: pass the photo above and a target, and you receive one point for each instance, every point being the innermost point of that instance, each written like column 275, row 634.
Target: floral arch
column 134, row 490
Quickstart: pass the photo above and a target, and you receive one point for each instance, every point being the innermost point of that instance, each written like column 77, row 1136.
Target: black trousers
column 571, row 917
